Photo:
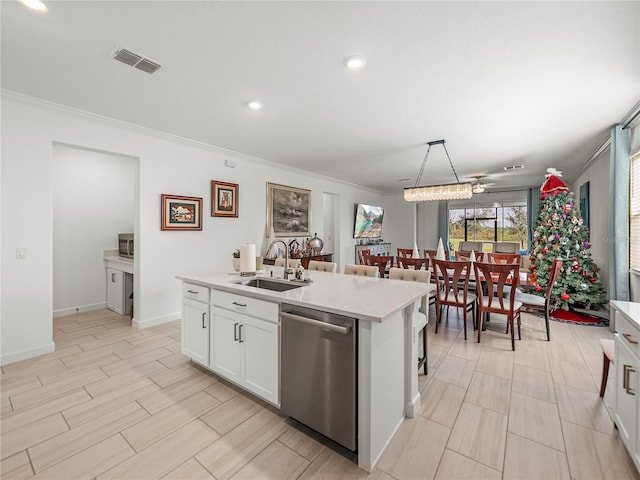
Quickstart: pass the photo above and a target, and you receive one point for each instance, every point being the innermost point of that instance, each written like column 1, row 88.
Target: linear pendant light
column 452, row 191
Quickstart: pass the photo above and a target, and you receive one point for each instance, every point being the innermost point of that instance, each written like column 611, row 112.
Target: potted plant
column 236, row 260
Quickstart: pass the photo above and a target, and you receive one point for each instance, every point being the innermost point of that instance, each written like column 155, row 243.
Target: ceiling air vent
column 135, row 60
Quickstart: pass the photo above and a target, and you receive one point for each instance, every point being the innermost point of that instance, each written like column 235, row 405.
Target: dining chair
column 466, row 256
column 363, row 256
column 421, row 317
column 491, row 279
column 414, row 263
column 448, row 275
column 381, row 262
column 538, row 302
column 405, row 252
column 319, row 266
column 504, row 258
column 505, row 247
column 469, row 246
column 361, row 270
column 293, row 262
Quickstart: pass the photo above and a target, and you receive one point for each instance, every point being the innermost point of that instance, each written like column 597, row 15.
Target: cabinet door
column 115, row 290
column 627, row 393
column 195, row 330
column 225, row 344
column 260, row 364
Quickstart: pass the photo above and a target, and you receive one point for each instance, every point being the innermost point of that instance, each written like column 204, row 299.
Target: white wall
column 166, row 165
column 598, row 174
column 398, row 222
column 93, row 201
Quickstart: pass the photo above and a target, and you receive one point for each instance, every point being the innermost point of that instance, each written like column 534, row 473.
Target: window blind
column 634, row 214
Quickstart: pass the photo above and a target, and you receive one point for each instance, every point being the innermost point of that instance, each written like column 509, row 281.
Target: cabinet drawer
column 246, row 305
column 195, row 292
column 629, row 334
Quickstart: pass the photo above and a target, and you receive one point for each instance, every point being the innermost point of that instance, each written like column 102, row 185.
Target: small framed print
column 181, row 213
column 224, row 199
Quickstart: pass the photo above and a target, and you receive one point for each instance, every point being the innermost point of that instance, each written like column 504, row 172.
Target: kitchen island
column 387, row 346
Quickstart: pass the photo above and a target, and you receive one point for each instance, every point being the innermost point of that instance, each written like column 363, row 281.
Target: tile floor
column 113, row 402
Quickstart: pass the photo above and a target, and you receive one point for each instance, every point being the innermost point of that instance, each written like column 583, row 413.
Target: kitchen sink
column 274, row 285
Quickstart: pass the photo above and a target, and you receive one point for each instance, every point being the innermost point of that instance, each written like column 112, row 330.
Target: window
column 503, row 222
column 634, row 214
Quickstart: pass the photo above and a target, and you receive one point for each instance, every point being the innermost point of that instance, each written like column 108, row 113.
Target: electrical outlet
column 21, row 253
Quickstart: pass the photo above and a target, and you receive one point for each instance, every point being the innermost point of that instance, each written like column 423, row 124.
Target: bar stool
column 608, row 353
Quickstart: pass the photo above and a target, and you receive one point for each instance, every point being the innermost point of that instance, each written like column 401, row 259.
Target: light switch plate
column 21, row 253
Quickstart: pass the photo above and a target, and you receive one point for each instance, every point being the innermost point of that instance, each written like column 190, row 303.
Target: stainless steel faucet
column 287, row 270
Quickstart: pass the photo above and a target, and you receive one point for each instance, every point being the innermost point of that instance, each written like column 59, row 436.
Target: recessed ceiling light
column 513, row 167
column 36, row 5
column 255, row 105
column 355, row 63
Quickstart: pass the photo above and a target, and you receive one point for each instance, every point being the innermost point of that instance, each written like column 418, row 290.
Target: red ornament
column 545, row 250
column 593, row 279
column 538, row 288
column 565, row 296
column 585, row 273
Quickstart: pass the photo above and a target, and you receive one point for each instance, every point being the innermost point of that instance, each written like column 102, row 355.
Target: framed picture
column 224, row 199
column 288, row 211
column 181, row 213
column 584, row 203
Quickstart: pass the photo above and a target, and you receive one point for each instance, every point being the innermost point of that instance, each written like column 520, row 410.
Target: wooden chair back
column 414, row 263
column 491, row 279
column 405, row 252
column 466, row 256
column 363, row 256
column 504, row 258
column 431, row 254
column 380, row 261
column 556, row 266
column 448, row 276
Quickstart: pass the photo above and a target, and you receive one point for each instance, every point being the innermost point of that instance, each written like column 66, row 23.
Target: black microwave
column 125, row 243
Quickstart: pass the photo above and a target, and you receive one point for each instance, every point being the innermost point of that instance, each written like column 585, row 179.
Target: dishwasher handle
column 316, row 323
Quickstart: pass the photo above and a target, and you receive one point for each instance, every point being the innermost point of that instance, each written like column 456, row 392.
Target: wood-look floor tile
column 176, row 359
column 525, row 459
column 17, row 419
column 574, row 375
column 223, row 391
column 569, row 352
column 112, row 336
column 15, row 384
column 532, row 355
column 275, row 461
column 97, row 355
column 176, row 392
column 301, row 443
column 155, row 427
column 435, row 355
column 35, row 364
column 404, row 456
column 90, row 462
column 593, row 454
column 31, row 434
column 73, row 441
column 172, row 375
column 490, row 392
column 441, row 402
column 104, row 404
column 140, row 359
column 59, row 373
column 456, row 371
column 111, row 384
column 189, row 470
column 584, row 408
column 469, row 349
column 498, row 363
column 164, row 456
column 231, row 414
column 454, row 466
column 16, row 467
column 533, row 382
column 331, row 466
column 234, row 450
column 480, row 434
column 536, row 420
column 5, row 407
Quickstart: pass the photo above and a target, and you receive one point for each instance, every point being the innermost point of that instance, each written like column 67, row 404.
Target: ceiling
column 537, row 84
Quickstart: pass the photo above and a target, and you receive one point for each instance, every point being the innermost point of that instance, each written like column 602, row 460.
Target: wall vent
column 135, row 60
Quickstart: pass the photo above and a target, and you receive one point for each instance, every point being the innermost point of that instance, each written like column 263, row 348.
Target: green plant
column 236, row 254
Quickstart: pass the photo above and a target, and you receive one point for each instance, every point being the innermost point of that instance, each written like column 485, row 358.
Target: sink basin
column 269, row 284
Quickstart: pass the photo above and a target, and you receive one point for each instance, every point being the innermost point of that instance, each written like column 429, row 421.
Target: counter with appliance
column 119, row 272
column 379, row 331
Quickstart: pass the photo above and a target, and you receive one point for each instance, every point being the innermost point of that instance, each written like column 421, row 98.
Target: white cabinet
column 245, row 343
column 195, row 323
column 374, row 249
column 627, row 364
column 115, row 290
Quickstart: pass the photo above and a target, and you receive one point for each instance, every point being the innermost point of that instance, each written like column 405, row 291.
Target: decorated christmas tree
column 561, row 233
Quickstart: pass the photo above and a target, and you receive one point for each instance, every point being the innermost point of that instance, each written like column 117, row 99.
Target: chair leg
column 438, row 312
column 513, row 337
column 605, row 374
column 424, row 350
column 479, row 320
column 546, row 322
column 464, row 322
column 519, row 332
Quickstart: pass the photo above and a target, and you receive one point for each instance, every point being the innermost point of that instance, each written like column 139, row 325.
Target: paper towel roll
column 248, row 258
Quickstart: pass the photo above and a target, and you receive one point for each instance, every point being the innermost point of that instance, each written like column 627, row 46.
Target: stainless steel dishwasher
column 319, row 372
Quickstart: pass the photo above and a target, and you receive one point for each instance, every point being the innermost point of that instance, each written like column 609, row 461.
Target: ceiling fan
column 478, row 186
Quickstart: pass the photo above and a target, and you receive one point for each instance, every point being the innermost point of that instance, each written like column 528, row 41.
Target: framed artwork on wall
column 288, row 211
column 181, row 213
column 224, row 199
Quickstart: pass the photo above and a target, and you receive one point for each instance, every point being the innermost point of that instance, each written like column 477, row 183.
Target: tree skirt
column 578, row 318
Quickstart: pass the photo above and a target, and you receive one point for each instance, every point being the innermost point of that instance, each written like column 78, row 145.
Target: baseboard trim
column 152, row 322
column 81, row 308
column 7, row 358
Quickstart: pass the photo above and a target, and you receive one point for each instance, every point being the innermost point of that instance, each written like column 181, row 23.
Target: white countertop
column 366, row 298
column 631, row 310
column 113, row 260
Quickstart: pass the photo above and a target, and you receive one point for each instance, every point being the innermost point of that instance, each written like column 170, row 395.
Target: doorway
column 331, row 225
